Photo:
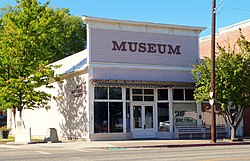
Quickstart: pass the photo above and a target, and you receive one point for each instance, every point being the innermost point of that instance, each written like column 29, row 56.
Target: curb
column 179, row 145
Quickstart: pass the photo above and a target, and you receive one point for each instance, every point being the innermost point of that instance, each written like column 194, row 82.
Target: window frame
column 143, row 95
column 108, row 100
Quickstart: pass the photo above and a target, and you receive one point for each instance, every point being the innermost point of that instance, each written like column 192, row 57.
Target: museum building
column 132, row 81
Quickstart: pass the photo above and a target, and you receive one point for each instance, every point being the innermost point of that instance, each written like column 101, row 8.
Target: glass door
column 143, row 121
column 137, row 111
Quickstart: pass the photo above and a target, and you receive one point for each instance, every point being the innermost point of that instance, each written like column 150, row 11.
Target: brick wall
column 225, row 35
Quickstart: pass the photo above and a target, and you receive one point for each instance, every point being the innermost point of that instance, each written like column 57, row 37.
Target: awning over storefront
column 141, row 84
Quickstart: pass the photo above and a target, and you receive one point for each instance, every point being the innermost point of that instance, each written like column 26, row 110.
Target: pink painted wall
column 141, row 75
column 101, row 48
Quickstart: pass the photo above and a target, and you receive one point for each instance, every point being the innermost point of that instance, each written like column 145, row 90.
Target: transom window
column 143, row 94
column 111, row 93
column 162, row 94
column 183, row 94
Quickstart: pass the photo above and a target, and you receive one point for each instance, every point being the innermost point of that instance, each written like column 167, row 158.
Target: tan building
column 225, row 36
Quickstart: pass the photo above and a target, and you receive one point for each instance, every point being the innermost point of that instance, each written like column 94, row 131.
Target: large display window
column 184, row 114
column 163, row 117
column 108, row 110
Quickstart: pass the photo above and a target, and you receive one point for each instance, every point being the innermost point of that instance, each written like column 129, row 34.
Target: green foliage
column 32, row 36
column 232, row 76
column 51, row 33
column 4, row 128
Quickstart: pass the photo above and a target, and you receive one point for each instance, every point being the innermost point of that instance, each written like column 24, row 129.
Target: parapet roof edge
column 242, row 23
column 224, row 29
column 128, row 22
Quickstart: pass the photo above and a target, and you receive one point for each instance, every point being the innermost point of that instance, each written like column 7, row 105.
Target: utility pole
column 212, row 94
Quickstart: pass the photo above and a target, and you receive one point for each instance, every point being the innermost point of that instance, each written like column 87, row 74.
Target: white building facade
column 133, row 81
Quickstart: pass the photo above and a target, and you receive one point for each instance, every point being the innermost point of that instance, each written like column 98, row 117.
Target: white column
column 170, row 98
column 124, row 109
column 10, row 121
column 199, row 114
column 91, row 107
column 156, row 110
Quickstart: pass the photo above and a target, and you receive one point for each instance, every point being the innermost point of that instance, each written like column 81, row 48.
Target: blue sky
column 178, row 12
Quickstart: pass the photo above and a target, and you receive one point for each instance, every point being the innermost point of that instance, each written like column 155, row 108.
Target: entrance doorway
column 143, row 119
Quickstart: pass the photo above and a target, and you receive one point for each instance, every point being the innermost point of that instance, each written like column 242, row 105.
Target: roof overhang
column 141, row 84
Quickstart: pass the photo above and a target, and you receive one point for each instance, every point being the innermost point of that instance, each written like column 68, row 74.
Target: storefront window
column 108, row 115
column 184, row 114
column 163, row 117
column 101, row 117
column 128, row 117
column 127, row 94
column 143, row 94
column 189, row 94
column 148, row 95
column 3, row 118
column 162, row 94
column 148, row 98
column 178, row 94
column 148, row 91
column 115, row 117
column 206, row 114
column 137, row 91
column 101, row 93
column 137, row 98
column 115, row 93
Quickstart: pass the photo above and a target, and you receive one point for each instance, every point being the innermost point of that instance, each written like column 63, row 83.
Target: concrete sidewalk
column 155, row 143
column 66, row 144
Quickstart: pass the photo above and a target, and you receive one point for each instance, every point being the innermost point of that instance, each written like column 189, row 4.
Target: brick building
column 225, row 36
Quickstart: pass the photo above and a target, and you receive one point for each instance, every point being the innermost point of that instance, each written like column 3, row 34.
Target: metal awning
column 141, row 84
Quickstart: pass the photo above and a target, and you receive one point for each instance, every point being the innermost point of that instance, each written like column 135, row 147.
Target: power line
column 239, row 9
column 219, row 7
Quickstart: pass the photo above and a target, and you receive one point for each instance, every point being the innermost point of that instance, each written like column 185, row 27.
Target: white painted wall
column 69, row 114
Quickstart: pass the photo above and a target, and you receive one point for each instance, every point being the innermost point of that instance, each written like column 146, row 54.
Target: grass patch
column 11, row 138
column 34, row 139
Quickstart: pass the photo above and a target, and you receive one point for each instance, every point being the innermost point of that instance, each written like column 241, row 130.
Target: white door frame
column 143, row 131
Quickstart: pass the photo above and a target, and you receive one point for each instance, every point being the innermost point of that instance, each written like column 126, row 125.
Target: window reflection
column 162, row 94
column 128, row 117
column 100, row 117
column 101, row 93
column 108, row 115
column 143, row 94
column 115, row 117
column 137, row 117
column 189, row 94
column 178, row 94
column 184, row 114
column 163, row 117
column 149, row 117
column 115, row 93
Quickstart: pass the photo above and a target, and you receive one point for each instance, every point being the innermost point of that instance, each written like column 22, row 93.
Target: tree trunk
column 233, row 132
column 233, row 116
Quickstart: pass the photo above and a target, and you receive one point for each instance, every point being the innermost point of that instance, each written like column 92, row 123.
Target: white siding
column 69, row 114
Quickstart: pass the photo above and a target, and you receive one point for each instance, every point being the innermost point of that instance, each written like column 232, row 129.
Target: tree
column 232, row 82
column 52, row 32
column 32, row 36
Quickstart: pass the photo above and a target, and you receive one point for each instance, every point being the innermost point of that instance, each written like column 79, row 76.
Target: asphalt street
column 201, row 153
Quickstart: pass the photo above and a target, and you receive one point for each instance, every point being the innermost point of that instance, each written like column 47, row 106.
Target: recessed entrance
column 143, row 121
